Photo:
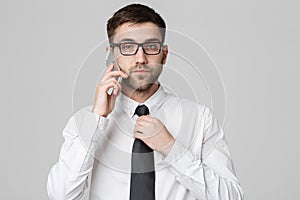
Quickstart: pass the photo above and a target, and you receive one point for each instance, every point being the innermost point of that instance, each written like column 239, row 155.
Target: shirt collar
column 128, row 105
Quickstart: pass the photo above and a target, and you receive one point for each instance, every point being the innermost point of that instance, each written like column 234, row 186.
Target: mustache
column 140, row 67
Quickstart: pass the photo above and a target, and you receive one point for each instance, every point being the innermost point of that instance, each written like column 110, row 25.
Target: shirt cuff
column 183, row 162
column 91, row 122
column 179, row 158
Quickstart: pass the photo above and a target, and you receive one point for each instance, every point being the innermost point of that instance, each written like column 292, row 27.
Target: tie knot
column 141, row 110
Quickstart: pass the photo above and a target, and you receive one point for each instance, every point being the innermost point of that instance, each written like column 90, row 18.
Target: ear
column 165, row 54
column 107, row 49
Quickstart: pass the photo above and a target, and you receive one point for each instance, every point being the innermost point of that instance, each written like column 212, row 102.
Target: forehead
column 137, row 32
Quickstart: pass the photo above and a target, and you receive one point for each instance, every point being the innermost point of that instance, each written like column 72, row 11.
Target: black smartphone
column 110, row 58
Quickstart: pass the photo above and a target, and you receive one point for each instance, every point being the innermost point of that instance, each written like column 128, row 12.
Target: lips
column 140, row 71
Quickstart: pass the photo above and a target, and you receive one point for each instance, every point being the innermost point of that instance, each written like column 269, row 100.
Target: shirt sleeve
column 210, row 175
column 68, row 178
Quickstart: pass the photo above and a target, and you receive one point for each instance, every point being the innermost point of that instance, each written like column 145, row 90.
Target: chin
column 144, row 88
column 138, row 85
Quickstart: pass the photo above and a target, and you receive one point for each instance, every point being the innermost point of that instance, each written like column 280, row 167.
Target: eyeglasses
column 131, row 48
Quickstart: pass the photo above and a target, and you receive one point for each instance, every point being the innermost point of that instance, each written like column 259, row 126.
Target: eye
column 152, row 46
column 127, row 46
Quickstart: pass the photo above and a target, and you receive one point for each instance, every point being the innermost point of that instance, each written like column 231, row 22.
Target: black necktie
column 142, row 183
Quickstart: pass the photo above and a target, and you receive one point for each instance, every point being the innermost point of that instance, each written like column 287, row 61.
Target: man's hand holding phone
column 103, row 102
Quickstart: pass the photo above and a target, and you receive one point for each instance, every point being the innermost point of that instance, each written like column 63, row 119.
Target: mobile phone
column 110, row 58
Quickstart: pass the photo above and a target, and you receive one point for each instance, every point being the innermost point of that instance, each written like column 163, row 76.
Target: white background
column 255, row 45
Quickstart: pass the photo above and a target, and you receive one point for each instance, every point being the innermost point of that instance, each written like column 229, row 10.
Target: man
column 184, row 156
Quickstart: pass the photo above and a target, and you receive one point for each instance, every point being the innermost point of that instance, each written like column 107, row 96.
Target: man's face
column 143, row 69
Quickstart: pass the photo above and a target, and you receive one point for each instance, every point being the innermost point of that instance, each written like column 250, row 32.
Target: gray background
column 255, row 45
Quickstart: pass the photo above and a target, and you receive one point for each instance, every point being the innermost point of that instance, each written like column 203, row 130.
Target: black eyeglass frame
column 139, row 45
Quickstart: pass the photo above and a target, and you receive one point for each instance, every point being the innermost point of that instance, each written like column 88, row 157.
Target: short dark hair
column 134, row 13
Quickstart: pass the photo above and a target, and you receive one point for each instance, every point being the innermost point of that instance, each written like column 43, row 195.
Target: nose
column 140, row 56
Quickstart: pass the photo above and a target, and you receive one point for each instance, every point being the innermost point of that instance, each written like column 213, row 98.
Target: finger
column 143, row 123
column 112, row 80
column 114, row 74
column 116, row 91
column 103, row 83
column 138, row 135
column 140, row 129
column 117, row 73
column 109, row 68
column 141, row 135
column 143, row 130
column 138, row 132
column 110, row 83
column 145, row 118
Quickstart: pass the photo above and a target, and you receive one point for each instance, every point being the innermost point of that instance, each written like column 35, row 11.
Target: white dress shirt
column 96, row 154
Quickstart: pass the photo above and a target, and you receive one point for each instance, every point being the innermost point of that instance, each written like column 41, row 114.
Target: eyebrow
column 131, row 40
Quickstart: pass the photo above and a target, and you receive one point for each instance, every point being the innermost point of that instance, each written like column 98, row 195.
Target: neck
column 140, row 96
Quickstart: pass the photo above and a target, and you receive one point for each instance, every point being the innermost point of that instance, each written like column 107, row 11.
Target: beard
column 142, row 82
